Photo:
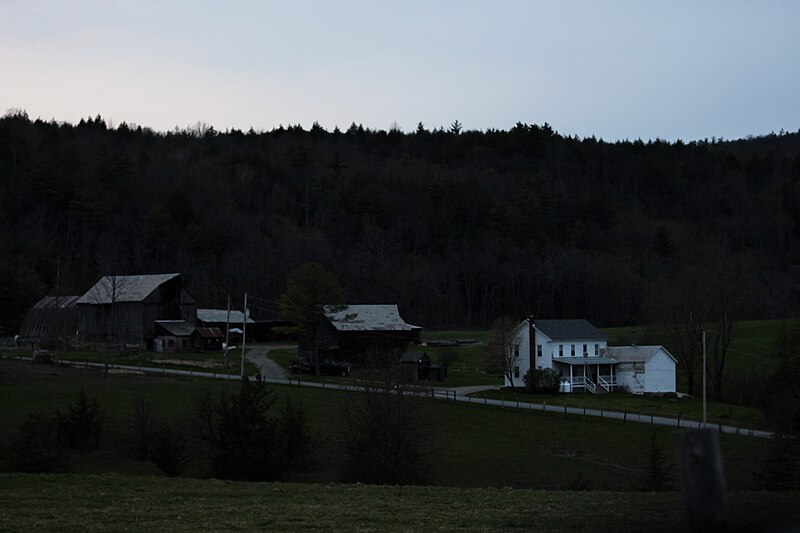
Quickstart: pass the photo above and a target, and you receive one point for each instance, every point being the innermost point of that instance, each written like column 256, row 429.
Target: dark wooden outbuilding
column 360, row 333
column 414, row 366
column 208, row 339
column 173, row 336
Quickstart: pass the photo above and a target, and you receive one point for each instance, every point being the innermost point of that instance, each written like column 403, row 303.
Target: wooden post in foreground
column 702, row 480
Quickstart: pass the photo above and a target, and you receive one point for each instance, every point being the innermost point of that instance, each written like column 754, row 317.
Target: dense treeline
column 457, row 227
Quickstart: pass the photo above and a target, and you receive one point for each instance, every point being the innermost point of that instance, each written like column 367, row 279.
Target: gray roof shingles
column 569, row 329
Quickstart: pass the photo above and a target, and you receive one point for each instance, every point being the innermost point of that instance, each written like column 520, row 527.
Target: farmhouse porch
column 589, row 374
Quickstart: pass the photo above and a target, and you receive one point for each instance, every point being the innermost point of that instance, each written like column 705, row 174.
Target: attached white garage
column 643, row 368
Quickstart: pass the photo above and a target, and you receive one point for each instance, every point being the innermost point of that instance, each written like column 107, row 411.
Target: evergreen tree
column 658, row 471
column 247, row 445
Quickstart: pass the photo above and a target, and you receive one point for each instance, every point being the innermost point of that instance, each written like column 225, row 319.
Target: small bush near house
column 544, row 381
column 36, row 448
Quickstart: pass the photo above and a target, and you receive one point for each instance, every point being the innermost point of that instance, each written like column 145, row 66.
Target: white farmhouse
column 579, row 352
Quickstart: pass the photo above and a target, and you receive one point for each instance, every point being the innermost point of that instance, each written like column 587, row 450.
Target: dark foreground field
column 71, row 502
column 464, row 445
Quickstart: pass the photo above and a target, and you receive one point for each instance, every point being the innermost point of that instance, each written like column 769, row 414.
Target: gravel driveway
column 259, row 356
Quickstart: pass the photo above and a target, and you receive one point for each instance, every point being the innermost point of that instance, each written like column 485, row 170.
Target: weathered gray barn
column 125, row 308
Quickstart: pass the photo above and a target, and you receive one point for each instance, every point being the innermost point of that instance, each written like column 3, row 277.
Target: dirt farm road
column 259, row 356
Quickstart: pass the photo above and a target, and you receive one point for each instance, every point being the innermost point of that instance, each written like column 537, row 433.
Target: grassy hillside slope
column 467, row 445
column 117, row 503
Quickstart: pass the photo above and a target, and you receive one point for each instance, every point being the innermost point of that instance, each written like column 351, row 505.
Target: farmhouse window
column 538, row 350
column 596, row 350
column 561, row 350
column 516, row 351
column 572, row 350
column 585, row 352
column 516, row 371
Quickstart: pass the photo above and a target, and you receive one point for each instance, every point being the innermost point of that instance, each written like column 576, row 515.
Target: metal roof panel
column 371, row 317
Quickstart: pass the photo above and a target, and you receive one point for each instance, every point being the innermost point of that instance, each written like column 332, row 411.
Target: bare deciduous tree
column 107, row 293
column 502, row 350
column 382, row 427
column 679, row 307
column 727, row 285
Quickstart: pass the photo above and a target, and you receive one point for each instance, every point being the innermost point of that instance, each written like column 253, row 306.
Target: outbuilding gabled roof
column 124, row 288
column 569, row 329
column 372, row 317
column 177, row 328
column 210, row 333
column 635, row 354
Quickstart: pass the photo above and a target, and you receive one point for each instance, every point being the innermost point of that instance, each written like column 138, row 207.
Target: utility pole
column 244, row 331
column 705, row 408
column 227, row 333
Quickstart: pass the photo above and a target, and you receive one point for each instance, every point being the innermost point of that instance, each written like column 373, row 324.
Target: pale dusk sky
column 613, row 69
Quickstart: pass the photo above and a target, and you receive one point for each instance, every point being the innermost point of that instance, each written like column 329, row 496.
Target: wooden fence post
column 702, row 479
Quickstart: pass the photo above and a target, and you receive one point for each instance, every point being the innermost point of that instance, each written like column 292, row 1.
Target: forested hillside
column 457, row 227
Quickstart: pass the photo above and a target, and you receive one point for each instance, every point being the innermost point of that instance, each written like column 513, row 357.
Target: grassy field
column 459, row 373
column 71, row 502
column 685, row 408
column 466, row 445
column 466, row 363
column 198, row 361
column 752, row 349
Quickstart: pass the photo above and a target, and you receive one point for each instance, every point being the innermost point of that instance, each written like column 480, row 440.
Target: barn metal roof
column 220, row 316
column 569, row 329
column 372, row 317
column 128, row 288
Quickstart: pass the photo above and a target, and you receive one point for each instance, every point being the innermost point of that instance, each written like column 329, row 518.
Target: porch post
column 571, row 383
column 612, row 377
